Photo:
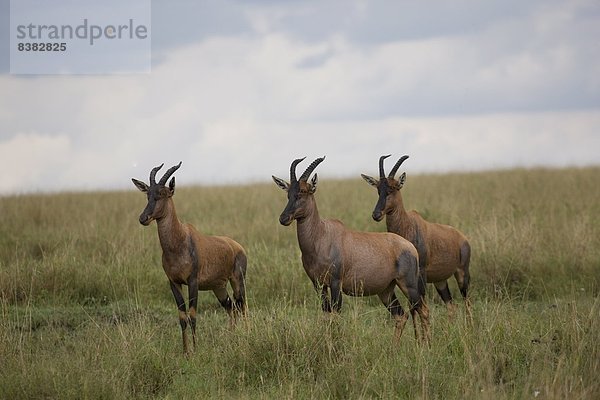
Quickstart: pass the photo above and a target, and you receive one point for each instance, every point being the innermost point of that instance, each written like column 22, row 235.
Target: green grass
column 86, row 311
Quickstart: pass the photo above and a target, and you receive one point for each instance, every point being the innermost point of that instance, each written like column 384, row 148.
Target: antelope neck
column 397, row 217
column 308, row 228
column 170, row 231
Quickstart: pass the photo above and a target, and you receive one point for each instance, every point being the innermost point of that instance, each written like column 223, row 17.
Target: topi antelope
column 443, row 250
column 191, row 258
column 338, row 260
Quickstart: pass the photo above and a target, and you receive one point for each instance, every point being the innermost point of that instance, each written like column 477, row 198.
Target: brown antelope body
column 443, row 250
column 339, row 260
column 190, row 258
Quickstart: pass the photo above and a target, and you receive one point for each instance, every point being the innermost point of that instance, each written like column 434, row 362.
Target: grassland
column 86, row 311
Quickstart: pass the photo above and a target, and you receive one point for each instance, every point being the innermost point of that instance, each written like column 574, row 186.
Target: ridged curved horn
column 153, row 174
column 168, row 174
column 381, row 173
column 293, row 169
column 311, row 168
column 395, row 169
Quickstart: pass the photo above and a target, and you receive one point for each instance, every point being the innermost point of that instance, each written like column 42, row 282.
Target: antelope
column 443, row 250
column 338, row 260
column 190, row 258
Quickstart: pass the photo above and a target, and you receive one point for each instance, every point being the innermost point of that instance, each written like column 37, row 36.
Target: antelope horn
column 168, row 174
column 381, row 173
column 293, row 169
column 311, row 168
column 400, row 161
column 153, row 174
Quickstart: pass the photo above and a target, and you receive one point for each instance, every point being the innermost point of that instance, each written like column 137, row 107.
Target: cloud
column 34, row 161
column 520, row 89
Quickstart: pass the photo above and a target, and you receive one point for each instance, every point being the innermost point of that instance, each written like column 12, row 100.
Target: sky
column 238, row 89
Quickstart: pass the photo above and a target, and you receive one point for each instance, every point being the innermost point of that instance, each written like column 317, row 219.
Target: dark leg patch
column 325, row 302
column 444, row 292
column 394, row 307
column 227, row 304
column 336, row 295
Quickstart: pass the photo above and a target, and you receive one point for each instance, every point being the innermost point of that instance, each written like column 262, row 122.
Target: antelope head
column 387, row 187
column 158, row 194
column 299, row 191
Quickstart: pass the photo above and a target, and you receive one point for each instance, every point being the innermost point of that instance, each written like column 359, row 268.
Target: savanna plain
column 86, row 310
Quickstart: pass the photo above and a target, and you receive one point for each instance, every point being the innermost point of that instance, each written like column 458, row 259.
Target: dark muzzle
column 145, row 219
column 377, row 215
column 285, row 219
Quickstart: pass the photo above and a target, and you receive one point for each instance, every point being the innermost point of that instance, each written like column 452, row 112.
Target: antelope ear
column 401, row 180
column 172, row 186
column 313, row 184
column 370, row 180
column 140, row 185
column 281, row 183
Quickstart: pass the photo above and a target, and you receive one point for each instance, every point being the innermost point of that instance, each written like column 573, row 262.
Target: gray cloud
column 253, row 85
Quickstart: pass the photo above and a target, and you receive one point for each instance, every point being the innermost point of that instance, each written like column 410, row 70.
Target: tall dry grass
column 87, row 312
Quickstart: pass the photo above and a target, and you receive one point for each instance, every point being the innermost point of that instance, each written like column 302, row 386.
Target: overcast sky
column 238, row 89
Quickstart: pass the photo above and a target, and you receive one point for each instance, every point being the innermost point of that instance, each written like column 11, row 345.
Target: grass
column 86, row 311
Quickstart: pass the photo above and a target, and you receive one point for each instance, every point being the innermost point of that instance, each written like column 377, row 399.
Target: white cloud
column 33, row 161
column 522, row 90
